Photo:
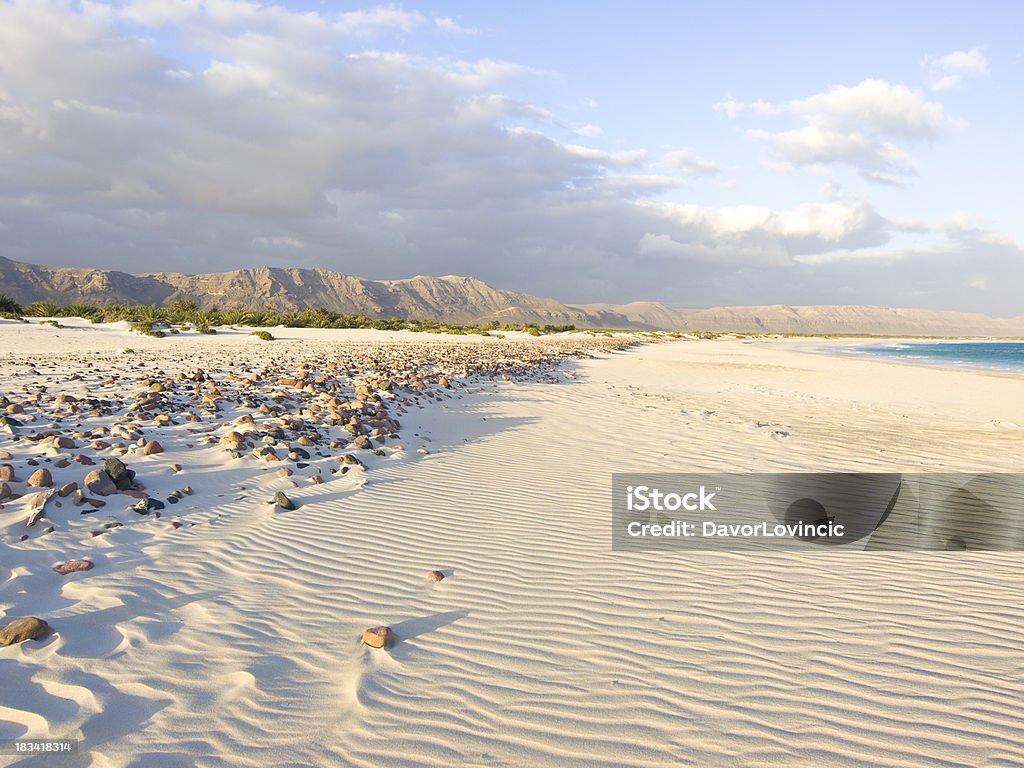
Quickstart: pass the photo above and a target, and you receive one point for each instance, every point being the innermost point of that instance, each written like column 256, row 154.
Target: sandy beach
column 226, row 631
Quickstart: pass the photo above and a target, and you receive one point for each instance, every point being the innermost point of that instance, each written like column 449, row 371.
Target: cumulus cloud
column 947, row 72
column 857, row 126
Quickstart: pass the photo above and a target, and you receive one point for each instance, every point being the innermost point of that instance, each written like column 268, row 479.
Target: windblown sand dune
column 234, row 639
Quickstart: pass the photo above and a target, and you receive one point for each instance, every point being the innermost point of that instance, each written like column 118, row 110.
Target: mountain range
column 464, row 300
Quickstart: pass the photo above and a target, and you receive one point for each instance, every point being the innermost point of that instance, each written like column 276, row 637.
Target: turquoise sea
column 991, row 355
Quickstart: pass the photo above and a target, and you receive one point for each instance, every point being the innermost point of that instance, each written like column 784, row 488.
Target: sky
column 694, row 153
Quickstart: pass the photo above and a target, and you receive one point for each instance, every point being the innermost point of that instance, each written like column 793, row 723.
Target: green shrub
column 9, row 305
column 265, row 335
column 42, row 309
column 147, row 329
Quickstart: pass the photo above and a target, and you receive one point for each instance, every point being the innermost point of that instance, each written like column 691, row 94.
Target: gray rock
column 283, row 501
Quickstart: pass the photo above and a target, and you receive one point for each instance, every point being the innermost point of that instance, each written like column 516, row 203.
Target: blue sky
column 692, row 153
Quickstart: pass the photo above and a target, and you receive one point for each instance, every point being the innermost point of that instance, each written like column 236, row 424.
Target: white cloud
column 874, row 106
column 760, row 235
column 685, row 162
column 732, row 107
column 625, row 158
column 857, row 126
column 946, row 72
column 447, row 24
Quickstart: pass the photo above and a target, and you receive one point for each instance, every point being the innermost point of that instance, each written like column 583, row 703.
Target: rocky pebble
column 378, row 637
column 72, row 566
column 20, row 630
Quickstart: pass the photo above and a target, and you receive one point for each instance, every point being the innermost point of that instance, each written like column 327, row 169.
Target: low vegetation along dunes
column 149, row 320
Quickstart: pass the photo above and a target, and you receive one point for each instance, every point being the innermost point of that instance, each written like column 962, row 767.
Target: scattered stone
column 145, row 506
column 71, row 566
column 283, row 501
column 67, row 489
column 175, row 468
column 284, row 472
column 20, row 630
column 378, row 637
column 233, row 441
column 63, row 442
column 187, row 490
column 435, row 576
column 40, row 479
column 7, row 473
column 152, row 447
column 5, row 491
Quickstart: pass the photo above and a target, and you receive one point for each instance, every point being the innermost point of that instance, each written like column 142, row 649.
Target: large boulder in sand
column 152, row 447
column 20, row 630
column 378, row 637
column 41, row 478
column 99, row 482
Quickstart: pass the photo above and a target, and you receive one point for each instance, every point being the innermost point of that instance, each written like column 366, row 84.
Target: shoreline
column 854, row 351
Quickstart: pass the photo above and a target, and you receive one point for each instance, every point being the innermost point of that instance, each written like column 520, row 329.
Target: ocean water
column 990, row 355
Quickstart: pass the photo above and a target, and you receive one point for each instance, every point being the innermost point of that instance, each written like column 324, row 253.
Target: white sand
column 234, row 642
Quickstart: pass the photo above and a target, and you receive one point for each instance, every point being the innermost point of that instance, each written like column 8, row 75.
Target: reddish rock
column 7, row 473
column 67, row 489
column 378, row 637
column 71, row 566
column 435, row 576
column 99, row 482
column 152, row 447
column 233, row 441
column 40, row 479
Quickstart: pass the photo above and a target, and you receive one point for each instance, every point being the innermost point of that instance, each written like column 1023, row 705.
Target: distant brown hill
column 463, row 300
